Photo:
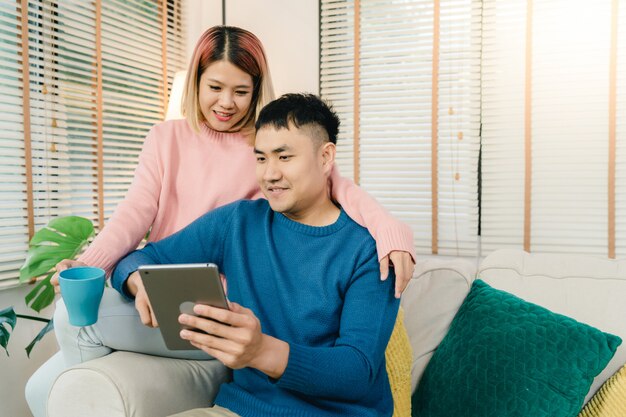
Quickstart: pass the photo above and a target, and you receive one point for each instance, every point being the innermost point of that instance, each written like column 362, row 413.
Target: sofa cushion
column 610, row 400
column 587, row 288
column 398, row 359
column 438, row 288
column 506, row 357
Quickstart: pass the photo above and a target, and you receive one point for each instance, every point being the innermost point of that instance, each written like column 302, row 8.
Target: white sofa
column 589, row 289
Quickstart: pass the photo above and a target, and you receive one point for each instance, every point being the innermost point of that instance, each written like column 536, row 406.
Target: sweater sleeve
column 390, row 233
column 200, row 242
column 349, row 369
column 133, row 216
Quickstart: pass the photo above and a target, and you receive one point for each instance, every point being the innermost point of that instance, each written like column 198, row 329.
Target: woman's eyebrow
column 213, row 80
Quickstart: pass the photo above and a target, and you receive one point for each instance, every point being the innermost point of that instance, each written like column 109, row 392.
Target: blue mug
column 82, row 288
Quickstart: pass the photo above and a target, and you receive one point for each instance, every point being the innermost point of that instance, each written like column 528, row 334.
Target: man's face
column 292, row 170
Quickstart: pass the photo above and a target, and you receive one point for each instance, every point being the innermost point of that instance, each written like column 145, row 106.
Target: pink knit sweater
column 182, row 175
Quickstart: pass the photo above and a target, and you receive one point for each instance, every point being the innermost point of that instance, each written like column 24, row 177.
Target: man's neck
column 323, row 213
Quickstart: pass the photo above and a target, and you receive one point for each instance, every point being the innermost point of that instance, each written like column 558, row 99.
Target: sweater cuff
column 119, row 278
column 299, row 367
column 396, row 238
column 96, row 257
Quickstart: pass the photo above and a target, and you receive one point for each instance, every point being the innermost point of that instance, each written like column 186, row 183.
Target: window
column 546, row 67
column 394, row 115
column 519, row 151
column 98, row 76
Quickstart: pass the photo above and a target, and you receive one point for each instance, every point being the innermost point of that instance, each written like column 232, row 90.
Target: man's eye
column 260, row 159
column 285, row 157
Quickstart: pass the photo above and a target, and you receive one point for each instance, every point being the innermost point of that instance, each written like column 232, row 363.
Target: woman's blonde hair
column 242, row 49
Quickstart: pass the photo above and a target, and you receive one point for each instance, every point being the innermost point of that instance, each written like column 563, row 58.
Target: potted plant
column 62, row 238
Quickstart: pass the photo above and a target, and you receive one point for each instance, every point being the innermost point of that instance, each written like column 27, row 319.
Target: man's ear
column 328, row 152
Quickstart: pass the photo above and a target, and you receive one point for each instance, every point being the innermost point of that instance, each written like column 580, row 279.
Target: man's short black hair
column 299, row 110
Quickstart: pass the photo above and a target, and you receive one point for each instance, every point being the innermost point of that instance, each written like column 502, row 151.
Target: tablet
column 175, row 289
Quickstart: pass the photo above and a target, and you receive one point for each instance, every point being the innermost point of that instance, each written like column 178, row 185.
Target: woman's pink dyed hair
column 242, row 49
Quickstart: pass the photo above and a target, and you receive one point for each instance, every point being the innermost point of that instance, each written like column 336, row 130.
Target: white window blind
column 132, row 89
column 620, row 180
column 395, row 120
column 48, row 113
column 459, row 126
column 569, row 125
column 502, row 219
column 337, row 73
column 558, row 101
column 12, row 166
column 63, row 58
column 79, row 90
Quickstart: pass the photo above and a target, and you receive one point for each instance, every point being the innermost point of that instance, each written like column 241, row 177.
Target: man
column 309, row 317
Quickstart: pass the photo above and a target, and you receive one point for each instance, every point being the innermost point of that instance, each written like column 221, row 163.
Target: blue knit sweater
column 316, row 288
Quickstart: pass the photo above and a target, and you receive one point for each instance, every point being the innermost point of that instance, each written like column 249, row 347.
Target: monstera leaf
column 47, row 328
column 62, row 238
column 42, row 295
column 7, row 318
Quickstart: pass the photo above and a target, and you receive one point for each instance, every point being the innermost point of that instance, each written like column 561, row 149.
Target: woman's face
column 225, row 95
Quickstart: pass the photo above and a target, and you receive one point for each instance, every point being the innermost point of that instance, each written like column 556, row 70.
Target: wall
column 201, row 14
column 289, row 31
column 17, row 368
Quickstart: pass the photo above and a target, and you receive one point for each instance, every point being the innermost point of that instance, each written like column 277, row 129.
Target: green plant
column 62, row 238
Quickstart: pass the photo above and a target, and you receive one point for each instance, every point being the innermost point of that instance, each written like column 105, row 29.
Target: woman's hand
column 403, row 264
column 62, row 266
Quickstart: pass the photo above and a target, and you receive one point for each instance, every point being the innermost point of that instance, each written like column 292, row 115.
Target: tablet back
column 175, row 289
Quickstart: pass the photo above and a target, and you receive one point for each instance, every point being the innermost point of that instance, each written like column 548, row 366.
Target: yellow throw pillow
column 610, row 400
column 399, row 358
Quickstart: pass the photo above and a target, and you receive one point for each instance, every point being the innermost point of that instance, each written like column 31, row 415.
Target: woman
column 186, row 168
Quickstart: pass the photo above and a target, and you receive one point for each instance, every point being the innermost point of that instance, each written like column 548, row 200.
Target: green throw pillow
column 506, row 357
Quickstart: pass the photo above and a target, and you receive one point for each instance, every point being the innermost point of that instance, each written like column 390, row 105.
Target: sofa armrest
column 125, row 384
